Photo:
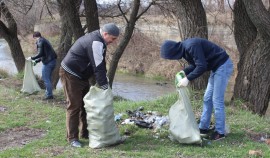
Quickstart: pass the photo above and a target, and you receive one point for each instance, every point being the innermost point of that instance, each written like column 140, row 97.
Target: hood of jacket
column 171, row 50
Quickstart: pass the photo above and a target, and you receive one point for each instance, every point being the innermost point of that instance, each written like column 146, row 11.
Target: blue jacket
column 201, row 54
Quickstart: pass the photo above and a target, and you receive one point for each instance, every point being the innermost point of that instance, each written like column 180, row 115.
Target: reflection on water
column 137, row 88
column 6, row 61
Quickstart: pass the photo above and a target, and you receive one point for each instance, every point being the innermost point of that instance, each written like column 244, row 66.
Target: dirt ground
column 19, row 136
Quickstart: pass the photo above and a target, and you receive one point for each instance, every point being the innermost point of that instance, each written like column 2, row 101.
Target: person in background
column 84, row 60
column 203, row 55
column 47, row 55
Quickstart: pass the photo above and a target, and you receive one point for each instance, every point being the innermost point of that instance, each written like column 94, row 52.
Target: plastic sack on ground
column 30, row 84
column 183, row 125
column 100, row 118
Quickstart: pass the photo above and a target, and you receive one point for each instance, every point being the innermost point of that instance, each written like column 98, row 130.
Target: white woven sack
column 30, row 84
column 183, row 126
column 100, row 118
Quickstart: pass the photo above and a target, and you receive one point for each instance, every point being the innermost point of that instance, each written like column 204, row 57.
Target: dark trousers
column 75, row 89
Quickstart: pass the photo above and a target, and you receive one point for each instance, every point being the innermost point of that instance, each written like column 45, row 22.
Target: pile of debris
column 149, row 119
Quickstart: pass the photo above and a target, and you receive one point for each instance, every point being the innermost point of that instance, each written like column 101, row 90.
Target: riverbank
column 44, row 136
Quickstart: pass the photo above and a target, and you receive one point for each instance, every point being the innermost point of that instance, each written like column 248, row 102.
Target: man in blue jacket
column 85, row 59
column 47, row 55
column 203, row 55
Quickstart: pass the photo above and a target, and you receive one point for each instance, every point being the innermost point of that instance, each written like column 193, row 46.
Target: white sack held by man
column 30, row 84
column 183, row 125
column 100, row 118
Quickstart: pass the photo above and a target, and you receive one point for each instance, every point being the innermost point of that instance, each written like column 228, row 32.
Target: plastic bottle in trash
column 117, row 117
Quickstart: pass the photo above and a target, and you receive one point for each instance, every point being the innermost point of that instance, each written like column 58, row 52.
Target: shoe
column 84, row 137
column 48, row 98
column 217, row 136
column 204, row 132
column 76, row 144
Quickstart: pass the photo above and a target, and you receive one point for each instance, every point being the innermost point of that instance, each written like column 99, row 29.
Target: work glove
column 34, row 63
column 183, row 82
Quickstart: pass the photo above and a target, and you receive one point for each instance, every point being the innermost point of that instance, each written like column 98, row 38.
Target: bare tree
column 252, row 36
column 130, row 25
column 8, row 30
column 71, row 26
column 91, row 12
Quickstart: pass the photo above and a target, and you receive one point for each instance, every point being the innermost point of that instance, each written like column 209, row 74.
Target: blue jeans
column 214, row 97
column 46, row 77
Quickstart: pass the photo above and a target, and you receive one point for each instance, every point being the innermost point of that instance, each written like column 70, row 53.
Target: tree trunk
column 192, row 18
column 252, row 85
column 65, row 42
column 72, row 15
column 91, row 12
column 9, row 33
column 124, row 42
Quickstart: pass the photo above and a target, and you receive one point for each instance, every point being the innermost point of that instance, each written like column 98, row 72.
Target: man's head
column 110, row 32
column 36, row 35
column 171, row 50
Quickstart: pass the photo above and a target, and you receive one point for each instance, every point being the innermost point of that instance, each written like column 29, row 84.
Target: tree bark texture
column 124, row 42
column 91, row 12
column 193, row 23
column 9, row 33
column 252, row 35
column 65, row 41
column 72, row 15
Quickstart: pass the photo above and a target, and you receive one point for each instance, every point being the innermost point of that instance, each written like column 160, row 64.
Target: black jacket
column 45, row 51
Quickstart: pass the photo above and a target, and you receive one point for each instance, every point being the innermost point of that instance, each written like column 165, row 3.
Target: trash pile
column 149, row 119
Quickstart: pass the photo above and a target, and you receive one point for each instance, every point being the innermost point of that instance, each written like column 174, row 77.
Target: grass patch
column 3, row 73
column 49, row 117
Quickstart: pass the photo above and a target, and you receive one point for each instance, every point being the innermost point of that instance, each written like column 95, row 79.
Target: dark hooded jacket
column 201, row 54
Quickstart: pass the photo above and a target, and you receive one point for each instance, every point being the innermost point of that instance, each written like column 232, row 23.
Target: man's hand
column 183, row 82
column 34, row 63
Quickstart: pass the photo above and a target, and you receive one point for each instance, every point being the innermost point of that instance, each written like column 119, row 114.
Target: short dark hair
column 37, row 34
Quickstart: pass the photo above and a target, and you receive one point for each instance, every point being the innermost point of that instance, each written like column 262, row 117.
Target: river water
column 127, row 86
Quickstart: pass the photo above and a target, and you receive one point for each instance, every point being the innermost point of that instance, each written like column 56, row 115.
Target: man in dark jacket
column 203, row 55
column 85, row 59
column 47, row 55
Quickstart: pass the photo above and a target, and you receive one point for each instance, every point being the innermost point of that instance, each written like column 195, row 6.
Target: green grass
column 30, row 112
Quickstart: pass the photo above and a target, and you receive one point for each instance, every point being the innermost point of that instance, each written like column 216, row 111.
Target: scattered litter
column 127, row 122
column 2, row 109
column 150, row 119
column 118, row 117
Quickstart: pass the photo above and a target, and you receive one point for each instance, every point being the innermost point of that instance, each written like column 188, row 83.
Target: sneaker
column 48, row 98
column 76, row 144
column 204, row 132
column 217, row 136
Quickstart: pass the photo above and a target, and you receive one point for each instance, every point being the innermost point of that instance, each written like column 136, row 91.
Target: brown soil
column 18, row 137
